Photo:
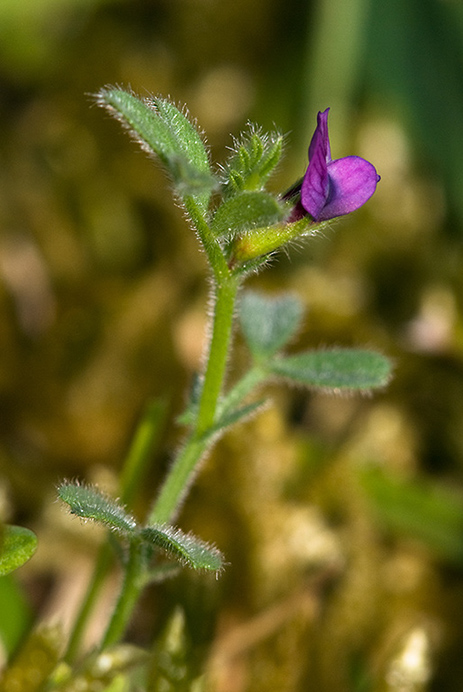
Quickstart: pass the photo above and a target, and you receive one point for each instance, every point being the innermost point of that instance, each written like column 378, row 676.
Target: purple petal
column 352, row 181
column 315, row 185
column 320, row 138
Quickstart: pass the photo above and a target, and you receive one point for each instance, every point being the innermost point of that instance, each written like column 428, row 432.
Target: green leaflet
column 269, row 323
column 335, row 369
column 185, row 548
column 163, row 130
column 185, row 135
column 88, row 502
column 244, row 211
column 17, row 547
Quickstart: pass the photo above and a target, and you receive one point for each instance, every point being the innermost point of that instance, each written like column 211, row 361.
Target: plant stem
column 218, row 353
column 187, row 462
column 252, row 379
column 100, row 571
column 128, row 596
column 178, row 481
column 209, row 242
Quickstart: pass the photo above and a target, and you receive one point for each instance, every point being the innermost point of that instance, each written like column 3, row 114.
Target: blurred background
column 342, row 518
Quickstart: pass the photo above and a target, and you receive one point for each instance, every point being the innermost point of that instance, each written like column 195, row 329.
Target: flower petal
column 352, row 181
column 315, row 185
column 320, row 138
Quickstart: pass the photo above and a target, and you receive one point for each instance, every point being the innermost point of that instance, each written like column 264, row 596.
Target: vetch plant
column 239, row 225
column 238, row 235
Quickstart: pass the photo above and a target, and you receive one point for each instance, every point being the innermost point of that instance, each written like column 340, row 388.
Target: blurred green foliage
column 17, row 546
column 332, row 580
column 16, row 614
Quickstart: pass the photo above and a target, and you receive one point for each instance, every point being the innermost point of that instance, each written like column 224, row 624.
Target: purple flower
column 332, row 188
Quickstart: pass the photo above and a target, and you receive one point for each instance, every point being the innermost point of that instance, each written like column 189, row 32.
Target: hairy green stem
column 186, row 464
column 178, row 481
column 218, row 353
column 252, row 379
column 209, row 242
